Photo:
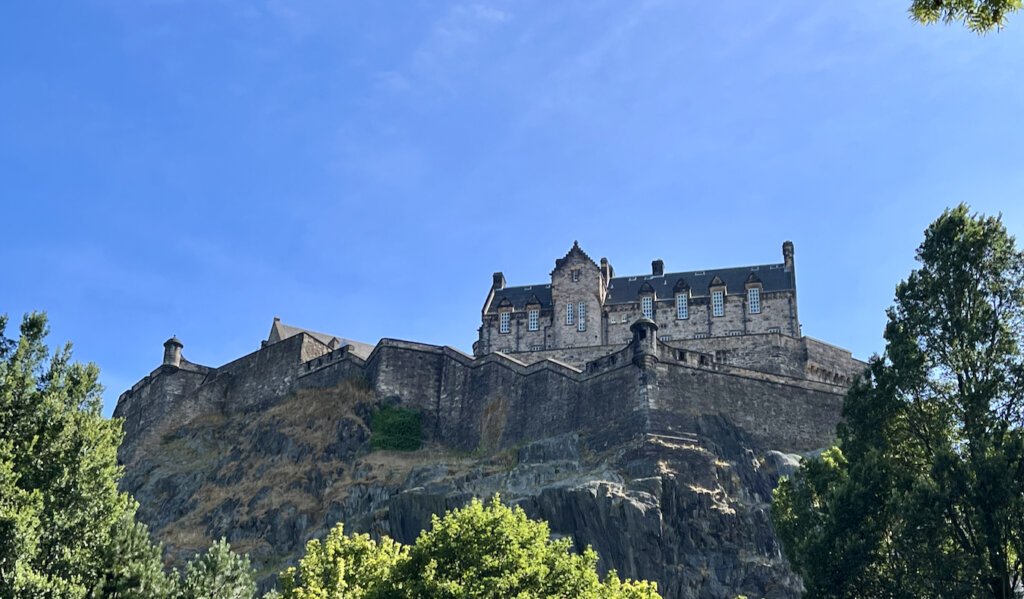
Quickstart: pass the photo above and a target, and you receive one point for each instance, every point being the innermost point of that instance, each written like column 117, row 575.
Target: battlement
column 497, row 400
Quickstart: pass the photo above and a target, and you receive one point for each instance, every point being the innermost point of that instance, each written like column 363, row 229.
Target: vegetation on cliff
column 924, row 494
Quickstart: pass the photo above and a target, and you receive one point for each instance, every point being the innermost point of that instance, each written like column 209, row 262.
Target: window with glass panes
column 569, row 312
column 754, row 300
column 533, row 319
column 682, row 306
column 718, row 303
column 647, row 307
column 581, row 316
column 504, row 320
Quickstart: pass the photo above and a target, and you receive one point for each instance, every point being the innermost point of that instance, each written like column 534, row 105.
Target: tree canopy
column 480, row 551
column 980, row 16
column 924, row 493
column 65, row 530
column 61, row 515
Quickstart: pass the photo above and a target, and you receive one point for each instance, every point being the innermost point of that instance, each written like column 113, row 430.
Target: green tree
column 479, row 551
column 924, row 495
column 61, row 515
column 218, row 574
column 980, row 16
column 349, row 567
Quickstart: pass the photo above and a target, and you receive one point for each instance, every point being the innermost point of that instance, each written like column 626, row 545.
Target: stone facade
column 639, row 387
column 586, row 305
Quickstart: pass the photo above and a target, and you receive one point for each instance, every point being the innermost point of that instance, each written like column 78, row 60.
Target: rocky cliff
column 687, row 507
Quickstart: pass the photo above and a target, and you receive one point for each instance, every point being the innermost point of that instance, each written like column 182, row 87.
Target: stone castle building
column 589, row 351
column 587, row 305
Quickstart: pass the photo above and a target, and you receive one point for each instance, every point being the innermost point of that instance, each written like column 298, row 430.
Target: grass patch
column 395, row 429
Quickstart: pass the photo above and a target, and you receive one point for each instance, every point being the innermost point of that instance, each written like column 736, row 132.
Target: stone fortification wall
column 801, row 357
column 497, row 401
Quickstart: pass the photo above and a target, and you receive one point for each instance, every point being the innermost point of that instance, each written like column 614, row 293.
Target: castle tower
column 172, row 352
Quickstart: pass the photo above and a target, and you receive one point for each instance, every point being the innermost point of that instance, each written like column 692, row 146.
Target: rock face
column 686, row 507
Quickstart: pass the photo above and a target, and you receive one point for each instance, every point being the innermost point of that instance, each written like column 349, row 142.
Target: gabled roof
column 280, row 331
column 577, row 251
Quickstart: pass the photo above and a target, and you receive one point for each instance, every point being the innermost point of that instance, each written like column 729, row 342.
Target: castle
column 587, row 305
column 613, row 357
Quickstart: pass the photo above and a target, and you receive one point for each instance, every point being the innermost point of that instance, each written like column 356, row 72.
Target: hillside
column 688, row 510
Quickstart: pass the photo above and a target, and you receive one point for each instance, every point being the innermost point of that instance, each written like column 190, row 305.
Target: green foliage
column 341, row 566
column 980, row 16
column 218, row 574
column 131, row 566
column 485, row 552
column 61, row 516
column 926, row 495
column 397, row 429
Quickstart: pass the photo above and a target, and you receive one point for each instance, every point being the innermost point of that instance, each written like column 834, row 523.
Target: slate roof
column 519, row 296
column 285, row 331
column 773, row 277
column 623, row 290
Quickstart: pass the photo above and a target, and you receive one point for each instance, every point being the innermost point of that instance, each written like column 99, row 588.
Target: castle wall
column 786, row 416
column 497, row 401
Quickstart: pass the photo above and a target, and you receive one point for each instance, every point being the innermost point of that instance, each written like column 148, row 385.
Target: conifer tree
column 924, row 494
column 63, row 530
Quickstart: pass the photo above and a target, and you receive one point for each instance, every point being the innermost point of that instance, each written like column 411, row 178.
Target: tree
column 351, row 567
column 218, row 574
column 980, row 16
column 924, row 494
column 64, row 527
column 479, row 551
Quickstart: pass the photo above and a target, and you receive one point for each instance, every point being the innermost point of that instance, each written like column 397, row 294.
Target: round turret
column 645, row 335
column 172, row 352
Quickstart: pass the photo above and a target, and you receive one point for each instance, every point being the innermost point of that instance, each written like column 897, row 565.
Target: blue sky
column 199, row 167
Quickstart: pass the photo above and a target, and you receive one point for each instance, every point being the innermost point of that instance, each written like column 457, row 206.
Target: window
column 569, row 313
column 775, row 330
column 505, row 319
column 682, row 306
column 665, row 338
column 623, row 319
column 536, row 348
column 576, row 275
column 647, row 307
column 533, row 321
column 718, row 303
column 701, row 336
column 754, row 300
column 582, row 316
column 735, row 333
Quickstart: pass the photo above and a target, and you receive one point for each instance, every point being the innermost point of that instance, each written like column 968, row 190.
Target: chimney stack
column 607, row 270
column 657, row 268
column 787, row 255
column 499, row 281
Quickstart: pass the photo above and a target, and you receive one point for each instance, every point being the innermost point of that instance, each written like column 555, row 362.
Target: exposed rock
column 687, row 507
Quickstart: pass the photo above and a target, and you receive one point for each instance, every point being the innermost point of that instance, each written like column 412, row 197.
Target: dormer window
column 754, row 300
column 569, row 313
column 647, row 307
column 582, row 316
column 533, row 319
column 504, row 321
column 682, row 306
column 718, row 303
